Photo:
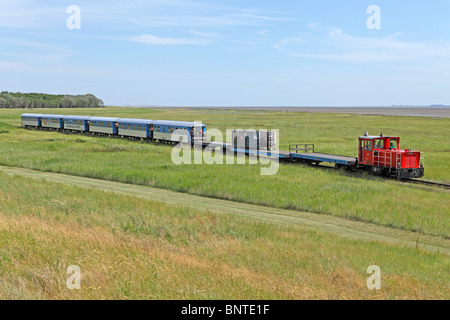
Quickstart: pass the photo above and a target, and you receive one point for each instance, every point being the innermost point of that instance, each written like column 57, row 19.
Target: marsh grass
column 131, row 248
column 356, row 197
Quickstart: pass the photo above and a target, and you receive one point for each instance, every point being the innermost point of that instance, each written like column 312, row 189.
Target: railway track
column 428, row 183
column 414, row 181
column 288, row 161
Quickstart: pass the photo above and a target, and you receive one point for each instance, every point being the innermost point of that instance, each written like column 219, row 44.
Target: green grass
column 131, row 248
column 364, row 198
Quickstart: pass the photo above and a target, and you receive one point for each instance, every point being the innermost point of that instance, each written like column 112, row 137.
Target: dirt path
column 336, row 225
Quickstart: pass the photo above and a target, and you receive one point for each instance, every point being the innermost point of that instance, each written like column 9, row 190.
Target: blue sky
column 230, row 53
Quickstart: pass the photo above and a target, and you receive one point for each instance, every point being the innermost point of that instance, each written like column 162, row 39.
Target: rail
column 305, row 147
column 428, row 183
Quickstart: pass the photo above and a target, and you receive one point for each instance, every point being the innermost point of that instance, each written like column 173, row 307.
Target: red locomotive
column 383, row 156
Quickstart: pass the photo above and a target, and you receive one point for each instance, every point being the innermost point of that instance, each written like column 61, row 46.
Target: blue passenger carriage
column 138, row 128
column 184, row 131
column 52, row 121
column 105, row 125
column 31, row 120
column 76, row 123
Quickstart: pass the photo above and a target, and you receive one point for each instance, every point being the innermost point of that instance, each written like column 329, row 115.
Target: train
column 377, row 155
column 159, row 130
column 383, row 156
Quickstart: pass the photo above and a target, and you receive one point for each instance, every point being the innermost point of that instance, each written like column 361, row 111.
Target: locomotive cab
column 383, row 156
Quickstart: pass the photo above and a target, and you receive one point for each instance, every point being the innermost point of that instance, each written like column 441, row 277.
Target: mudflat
column 434, row 112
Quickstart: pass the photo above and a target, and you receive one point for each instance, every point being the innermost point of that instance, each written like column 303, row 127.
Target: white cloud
column 285, row 44
column 154, row 40
column 263, row 32
column 334, row 44
column 25, row 14
column 37, row 58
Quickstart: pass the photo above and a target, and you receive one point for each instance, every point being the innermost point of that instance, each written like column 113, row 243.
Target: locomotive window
column 394, row 143
column 379, row 143
column 368, row 145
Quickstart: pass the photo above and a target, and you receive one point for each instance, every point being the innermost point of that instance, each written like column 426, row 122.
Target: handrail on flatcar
column 305, row 147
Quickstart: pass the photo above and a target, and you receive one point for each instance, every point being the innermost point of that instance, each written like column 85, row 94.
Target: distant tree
column 41, row 100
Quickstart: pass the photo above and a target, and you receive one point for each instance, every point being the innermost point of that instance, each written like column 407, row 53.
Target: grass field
column 132, row 248
column 304, row 233
column 363, row 198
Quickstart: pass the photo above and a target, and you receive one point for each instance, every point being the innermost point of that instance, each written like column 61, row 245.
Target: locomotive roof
column 176, row 123
column 376, row 137
column 128, row 120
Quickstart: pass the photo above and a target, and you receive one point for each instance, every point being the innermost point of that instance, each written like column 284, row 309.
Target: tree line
column 43, row 100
